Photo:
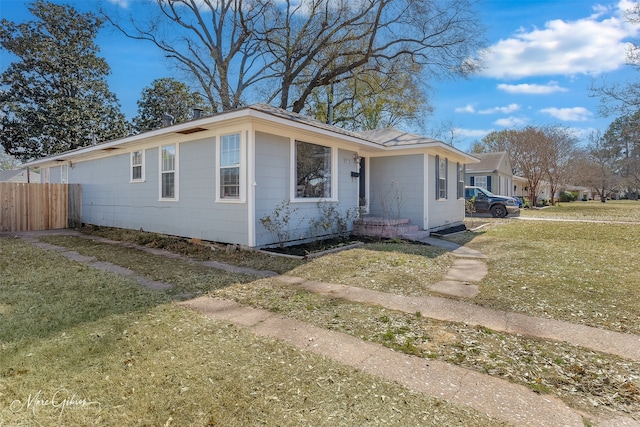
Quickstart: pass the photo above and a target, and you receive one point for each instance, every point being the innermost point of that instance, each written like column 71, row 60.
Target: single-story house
column 493, row 173
column 19, row 175
column 237, row 176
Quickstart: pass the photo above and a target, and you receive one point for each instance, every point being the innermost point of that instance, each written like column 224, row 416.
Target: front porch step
column 387, row 228
column 415, row 236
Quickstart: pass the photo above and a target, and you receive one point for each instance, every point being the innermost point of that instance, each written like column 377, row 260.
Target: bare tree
column 621, row 98
column 595, row 166
column 282, row 51
column 558, row 147
column 536, row 152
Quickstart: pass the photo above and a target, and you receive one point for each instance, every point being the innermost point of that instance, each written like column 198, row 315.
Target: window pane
column 168, row 185
column 136, row 158
column 230, row 150
column 136, row 172
column 230, row 182
column 313, row 170
column 168, row 158
column 481, row 181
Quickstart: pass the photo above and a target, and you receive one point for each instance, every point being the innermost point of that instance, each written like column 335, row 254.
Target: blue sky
column 542, row 58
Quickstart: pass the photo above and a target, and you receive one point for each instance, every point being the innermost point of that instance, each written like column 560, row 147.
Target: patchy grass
column 579, row 272
column 109, row 352
column 398, row 268
column 612, row 210
column 585, row 379
column 186, row 277
column 202, row 251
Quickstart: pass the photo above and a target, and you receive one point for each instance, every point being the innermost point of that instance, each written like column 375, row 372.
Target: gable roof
column 393, row 139
column 390, row 137
column 489, row 162
column 381, row 140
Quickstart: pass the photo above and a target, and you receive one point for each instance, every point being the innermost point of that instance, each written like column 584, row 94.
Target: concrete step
column 415, row 235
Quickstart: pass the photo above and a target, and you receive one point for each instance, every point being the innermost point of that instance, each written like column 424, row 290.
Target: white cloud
column 471, row 133
column 122, row 3
column 591, row 45
column 466, row 109
column 504, row 110
column 510, row 122
column 469, row 108
column 532, row 89
column 575, row 114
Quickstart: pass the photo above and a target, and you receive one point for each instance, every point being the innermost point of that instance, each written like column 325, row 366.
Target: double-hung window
column 441, row 177
column 313, row 172
column 230, row 166
column 481, row 181
column 137, row 166
column 168, row 176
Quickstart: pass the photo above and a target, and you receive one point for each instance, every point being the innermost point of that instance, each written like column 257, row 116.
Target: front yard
column 130, row 357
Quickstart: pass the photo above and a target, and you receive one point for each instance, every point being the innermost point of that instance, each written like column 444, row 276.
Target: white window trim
column 176, row 174
column 45, row 178
column 131, row 165
column 243, row 169
column 334, row 175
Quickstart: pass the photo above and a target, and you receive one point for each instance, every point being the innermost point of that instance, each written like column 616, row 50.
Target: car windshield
column 486, row 192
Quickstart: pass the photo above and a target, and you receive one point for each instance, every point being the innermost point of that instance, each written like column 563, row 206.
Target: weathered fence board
column 31, row 207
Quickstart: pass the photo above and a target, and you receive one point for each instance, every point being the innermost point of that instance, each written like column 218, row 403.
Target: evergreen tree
column 55, row 97
column 166, row 96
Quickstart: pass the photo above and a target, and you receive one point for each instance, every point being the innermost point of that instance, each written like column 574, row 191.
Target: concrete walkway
column 512, row 403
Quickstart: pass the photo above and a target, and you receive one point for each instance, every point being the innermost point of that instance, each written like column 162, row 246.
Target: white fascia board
column 310, row 128
column 440, row 147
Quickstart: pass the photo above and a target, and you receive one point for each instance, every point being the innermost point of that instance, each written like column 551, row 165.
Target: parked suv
column 486, row 201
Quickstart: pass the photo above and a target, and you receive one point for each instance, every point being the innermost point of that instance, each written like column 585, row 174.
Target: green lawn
column 577, row 271
column 137, row 359
column 82, row 347
column 612, row 210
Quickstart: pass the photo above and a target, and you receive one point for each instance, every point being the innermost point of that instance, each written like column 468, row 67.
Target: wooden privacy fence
column 31, row 207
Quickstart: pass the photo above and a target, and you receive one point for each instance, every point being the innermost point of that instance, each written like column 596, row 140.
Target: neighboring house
column 19, row 175
column 493, row 173
column 584, row 193
column 520, row 186
column 215, row 178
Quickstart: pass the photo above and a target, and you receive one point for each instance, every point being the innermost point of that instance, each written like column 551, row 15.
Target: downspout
column 427, row 186
column 251, row 187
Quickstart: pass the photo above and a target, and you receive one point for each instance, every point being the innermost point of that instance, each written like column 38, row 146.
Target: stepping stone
column 467, row 270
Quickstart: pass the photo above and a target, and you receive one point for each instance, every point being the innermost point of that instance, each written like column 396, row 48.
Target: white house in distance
column 19, row 175
column 493, row 173
column 216, row 177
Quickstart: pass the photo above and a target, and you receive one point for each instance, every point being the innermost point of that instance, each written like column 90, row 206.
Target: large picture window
column 230, row 166
column 168, row 172
column 313, row 170
column 137, row 165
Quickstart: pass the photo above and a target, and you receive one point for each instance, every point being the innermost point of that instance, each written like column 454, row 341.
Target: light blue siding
column 109, row 199
column 397, row 188
column 273, row 187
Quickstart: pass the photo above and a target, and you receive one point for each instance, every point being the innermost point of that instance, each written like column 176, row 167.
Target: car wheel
column 498, row 211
